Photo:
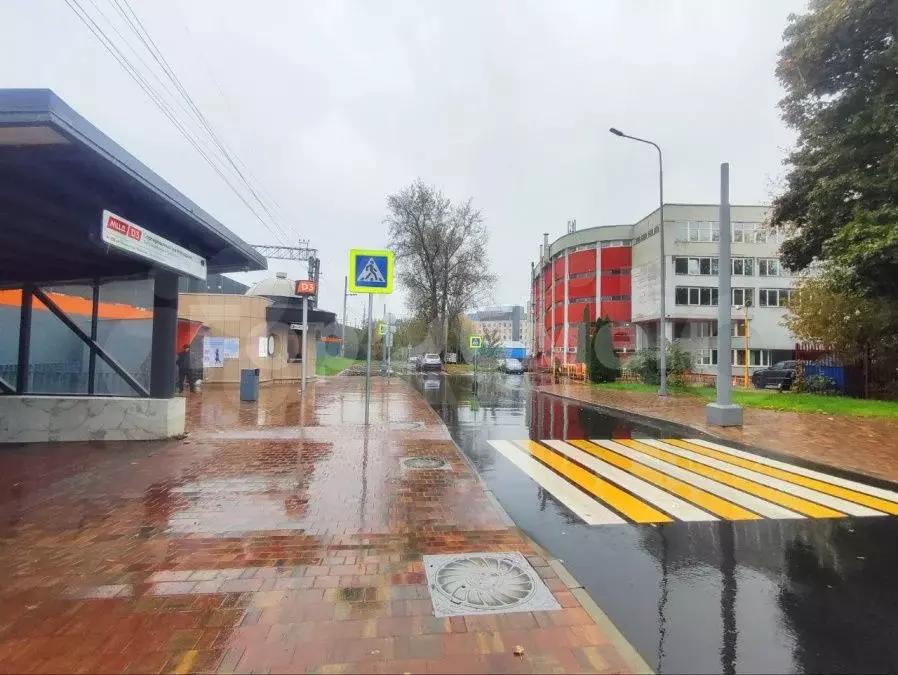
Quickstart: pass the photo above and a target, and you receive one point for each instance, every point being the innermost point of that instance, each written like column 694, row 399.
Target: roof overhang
column 58, row 173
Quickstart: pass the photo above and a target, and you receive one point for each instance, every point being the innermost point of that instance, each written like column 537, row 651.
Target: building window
column 703, row 266
column 582, row 275
column 691, row 330
column 615, row 298
column 771, row 267
column 743, row 297
column 743, row 267
column 774, row 297
column 739, row 328
column 695, row 295
column 706, row 357
column 698, row 231
column 622, row 271
column 756, row 357
column 749, row 233
column 615, row 243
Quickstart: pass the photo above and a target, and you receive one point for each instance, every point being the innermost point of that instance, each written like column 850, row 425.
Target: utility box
column 249, row 384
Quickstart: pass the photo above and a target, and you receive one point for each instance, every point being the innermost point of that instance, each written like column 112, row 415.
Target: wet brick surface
column 858, row 444
column 277, row 537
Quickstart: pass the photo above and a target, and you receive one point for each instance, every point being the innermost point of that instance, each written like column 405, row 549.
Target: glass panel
column 749, row 267
column 706, row 296
column 9, row 344
column 737, row 266
column 749, row 297
column 125, row 331
column 705, row 266
column 784, row 298
column 682, row 296
column 693, row 296
column 693, row 266
column 714, row 296
column 715, row 266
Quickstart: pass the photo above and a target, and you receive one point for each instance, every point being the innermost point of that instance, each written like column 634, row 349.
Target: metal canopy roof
column 58, row 173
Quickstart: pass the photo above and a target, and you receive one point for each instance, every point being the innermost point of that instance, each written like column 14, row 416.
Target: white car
column 511, row 366
column 430, row 362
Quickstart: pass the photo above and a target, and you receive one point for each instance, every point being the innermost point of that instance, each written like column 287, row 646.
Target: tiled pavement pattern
column 863, row 445
column 286, row 552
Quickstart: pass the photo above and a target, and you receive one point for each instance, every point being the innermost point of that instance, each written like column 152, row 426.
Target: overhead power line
column 185, row 101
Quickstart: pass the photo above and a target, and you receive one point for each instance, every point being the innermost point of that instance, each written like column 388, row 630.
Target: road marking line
column 758, row 489
column 848, row 507
column 675, row 506
column 705, row 499
column 702, row 498
column 622, row 502
column 885, row 500
column 584, row 506
column 186, row 662
column 744, row 499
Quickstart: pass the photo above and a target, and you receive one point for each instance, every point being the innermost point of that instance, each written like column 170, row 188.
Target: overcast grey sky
column 333, row 105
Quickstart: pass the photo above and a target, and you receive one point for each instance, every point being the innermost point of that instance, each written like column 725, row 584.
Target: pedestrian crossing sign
column 475, row 342
column 370, row 271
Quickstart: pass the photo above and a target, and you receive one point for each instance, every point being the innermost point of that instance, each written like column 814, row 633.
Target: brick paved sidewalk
column 278, row 537
column 864, row 445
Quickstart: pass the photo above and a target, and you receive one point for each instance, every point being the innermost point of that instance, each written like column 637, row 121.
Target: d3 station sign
column 138, row 241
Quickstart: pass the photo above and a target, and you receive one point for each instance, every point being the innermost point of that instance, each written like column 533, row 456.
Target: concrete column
column 598, row 281
column 552, row 313
column 163, row 349
column 567, row 300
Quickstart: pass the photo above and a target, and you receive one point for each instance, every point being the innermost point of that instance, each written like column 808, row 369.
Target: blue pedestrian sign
column 370, row 271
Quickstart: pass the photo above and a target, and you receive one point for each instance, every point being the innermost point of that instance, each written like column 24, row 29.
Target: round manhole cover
column 425, row 463
column 484, row 584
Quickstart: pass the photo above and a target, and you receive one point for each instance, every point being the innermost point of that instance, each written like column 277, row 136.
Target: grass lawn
column 458, row 368
column 332, row 365
column 774, row 400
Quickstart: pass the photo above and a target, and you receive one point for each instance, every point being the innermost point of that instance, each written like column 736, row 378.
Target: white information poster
column 231, row 348
column 263, row 347
column 137, row 240
column 213, row 352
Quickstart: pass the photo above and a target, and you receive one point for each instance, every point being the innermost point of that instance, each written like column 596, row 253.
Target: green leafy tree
column 839, row 67
column 604, row 366
column 679, row 362
column 857, row 329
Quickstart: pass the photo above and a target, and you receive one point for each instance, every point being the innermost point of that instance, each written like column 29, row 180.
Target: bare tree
column 441, row 254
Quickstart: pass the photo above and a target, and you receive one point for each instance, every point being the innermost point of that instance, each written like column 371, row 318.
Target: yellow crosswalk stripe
column 622, row 502
column 812, row 483
column 789, row 501
column 712, row 503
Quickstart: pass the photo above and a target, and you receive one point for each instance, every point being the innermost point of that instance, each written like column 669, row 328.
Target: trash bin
column 249, row 384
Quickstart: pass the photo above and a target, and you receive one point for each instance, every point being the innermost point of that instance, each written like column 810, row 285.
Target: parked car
column 511, row 366
column 430, row 362
column 778, row 376
column 526, row 362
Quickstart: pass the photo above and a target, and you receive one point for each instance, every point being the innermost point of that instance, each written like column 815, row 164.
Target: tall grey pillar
column 722, row 412
column 164, row 349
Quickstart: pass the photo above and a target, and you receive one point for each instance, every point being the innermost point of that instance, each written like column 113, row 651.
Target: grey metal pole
column 343, row 325
column 389, row 344
column 662, row 320
column 368, row 366
column 305, row 339
column 662, row 323
column 722, row 412
column 724, row 298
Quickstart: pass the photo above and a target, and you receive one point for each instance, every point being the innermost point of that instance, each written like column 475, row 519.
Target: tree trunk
column 866, row 372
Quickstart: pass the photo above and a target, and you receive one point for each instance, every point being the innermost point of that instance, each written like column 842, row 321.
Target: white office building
column 761, row 286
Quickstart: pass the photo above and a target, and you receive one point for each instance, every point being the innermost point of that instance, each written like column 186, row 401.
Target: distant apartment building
column 506, row 322
column 614, row 271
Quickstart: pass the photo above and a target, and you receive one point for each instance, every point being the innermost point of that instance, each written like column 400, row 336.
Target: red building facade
column 586, row 270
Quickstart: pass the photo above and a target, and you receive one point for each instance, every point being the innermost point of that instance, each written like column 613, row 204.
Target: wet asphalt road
column 803, row 596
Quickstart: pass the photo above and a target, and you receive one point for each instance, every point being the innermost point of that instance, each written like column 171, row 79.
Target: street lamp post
column 662, row 321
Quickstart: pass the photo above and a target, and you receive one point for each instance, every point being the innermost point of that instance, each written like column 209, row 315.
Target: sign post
column 306, row 289
column 371, row 272
column 475, row 342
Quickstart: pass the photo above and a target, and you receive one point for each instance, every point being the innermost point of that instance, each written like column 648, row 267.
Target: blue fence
column 835, row 373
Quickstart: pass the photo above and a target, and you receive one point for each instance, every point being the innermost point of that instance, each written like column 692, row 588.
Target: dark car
column 778, row 376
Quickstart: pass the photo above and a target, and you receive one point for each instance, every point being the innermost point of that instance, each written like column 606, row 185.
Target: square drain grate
column 434, row 463
column 485, row 583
